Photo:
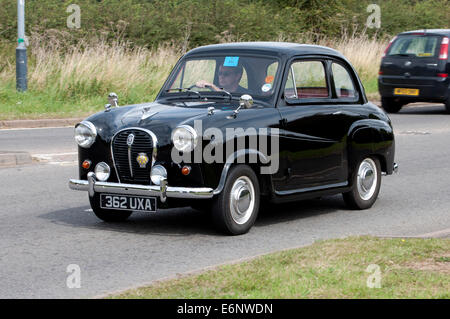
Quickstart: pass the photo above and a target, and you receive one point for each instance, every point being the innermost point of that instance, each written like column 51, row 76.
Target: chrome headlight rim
column 89, row 141
column 193, row 139
column 104, row 174
column 155, row 176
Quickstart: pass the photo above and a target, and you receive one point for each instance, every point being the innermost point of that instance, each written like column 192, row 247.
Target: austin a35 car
column 237, row 125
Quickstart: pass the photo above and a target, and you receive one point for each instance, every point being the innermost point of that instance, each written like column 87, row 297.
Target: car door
column 312, row 130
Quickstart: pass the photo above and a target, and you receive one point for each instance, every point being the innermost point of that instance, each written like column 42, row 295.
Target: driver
column 229, row 78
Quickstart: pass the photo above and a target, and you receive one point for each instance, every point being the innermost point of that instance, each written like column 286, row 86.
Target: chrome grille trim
column 154, row 142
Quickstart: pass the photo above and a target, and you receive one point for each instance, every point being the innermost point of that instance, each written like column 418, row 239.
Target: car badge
column 142, row 159
column 130, row 139
column 408, row 63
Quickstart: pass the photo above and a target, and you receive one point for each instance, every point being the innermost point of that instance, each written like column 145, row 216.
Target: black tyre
column 235, row 209
column 390, row 105
column 107, row 215
column 366, row 181
column 447, row 105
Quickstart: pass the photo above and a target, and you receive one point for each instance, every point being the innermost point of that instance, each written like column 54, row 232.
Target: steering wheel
column 195, row 86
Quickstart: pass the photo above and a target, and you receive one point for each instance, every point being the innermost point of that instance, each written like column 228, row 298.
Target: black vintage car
column 236, row 125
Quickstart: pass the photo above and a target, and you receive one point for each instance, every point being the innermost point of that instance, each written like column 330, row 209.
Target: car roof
column 430, row 31
column 274, row 48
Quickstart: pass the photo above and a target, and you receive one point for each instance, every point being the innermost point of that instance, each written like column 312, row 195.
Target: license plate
column 125, row 202
column 401, row 91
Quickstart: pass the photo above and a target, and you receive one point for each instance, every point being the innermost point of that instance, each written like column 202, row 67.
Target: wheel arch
column 371, row 137
column 241, row 157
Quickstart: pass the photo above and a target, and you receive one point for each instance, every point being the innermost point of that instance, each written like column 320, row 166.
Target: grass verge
column 409, row 268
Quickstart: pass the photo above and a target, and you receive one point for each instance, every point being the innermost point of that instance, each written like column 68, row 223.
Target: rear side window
column 343, row 82
column 415, row 45
column 306, row 80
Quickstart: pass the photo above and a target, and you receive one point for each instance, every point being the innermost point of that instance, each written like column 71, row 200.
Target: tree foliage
column 196, row 22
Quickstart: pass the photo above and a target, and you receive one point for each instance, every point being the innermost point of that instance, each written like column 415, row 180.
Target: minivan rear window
column 421, row 46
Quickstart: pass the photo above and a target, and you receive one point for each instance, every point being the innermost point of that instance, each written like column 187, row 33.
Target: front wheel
column 107, row 215
column 235, row 209
column 366, row 182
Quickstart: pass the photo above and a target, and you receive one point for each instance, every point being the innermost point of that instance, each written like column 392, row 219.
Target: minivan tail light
column 389, row 45
column 442, row 75
column 443, row 55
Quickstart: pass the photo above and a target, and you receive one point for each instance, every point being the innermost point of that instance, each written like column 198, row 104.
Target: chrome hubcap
column 242, row 200
column 367, row 179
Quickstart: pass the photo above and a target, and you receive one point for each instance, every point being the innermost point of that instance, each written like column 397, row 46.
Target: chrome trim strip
column 129, row 161
column 310, row 189
column 222, row 180
column 163, row 191
column 154, row 140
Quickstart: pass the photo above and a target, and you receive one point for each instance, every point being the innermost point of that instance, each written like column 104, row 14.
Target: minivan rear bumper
column 433, row 89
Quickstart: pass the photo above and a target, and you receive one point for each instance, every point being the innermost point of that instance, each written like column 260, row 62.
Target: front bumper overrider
column 163, row 191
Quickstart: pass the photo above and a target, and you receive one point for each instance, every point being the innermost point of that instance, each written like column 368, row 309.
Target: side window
column 342, row 82
column 306, row 80
column 244, row 80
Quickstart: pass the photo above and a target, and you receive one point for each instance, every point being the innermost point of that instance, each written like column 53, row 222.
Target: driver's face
column 229, row 78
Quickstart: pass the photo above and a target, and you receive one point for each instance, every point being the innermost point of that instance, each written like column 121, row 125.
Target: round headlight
column 184, row 138
column 85, row 134
column 157, row 174
column 102, row 171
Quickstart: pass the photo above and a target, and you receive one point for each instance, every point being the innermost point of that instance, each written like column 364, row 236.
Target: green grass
column 410, row 268
column 36, row 104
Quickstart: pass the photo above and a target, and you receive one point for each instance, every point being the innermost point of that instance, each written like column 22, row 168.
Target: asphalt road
column 45, row 227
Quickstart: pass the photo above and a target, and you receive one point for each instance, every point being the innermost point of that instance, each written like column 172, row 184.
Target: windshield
column 415, row 45
column 235, row 74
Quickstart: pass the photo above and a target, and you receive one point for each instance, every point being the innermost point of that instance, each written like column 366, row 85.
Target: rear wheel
column 366, row 182
column 391, row 105
column 235, row 209
column 107, row 215
column 447, row 105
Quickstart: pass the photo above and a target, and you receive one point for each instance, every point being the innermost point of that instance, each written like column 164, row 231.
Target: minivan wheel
column 107, row 215
column 366, row 181
column 235, row 209
column 447, row 105
column 390, row 105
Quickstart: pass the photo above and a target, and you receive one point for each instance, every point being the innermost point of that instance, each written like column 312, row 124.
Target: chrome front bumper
column 162, row 191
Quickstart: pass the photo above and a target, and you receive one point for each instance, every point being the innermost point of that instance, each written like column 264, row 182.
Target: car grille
column 143, row 143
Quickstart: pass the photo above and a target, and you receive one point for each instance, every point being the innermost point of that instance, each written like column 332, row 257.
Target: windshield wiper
column 188, row 90
column 402, row 54
column 228, row 94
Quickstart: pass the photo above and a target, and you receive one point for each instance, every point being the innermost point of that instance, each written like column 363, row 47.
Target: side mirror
column 113, row 99
column 246, row 101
